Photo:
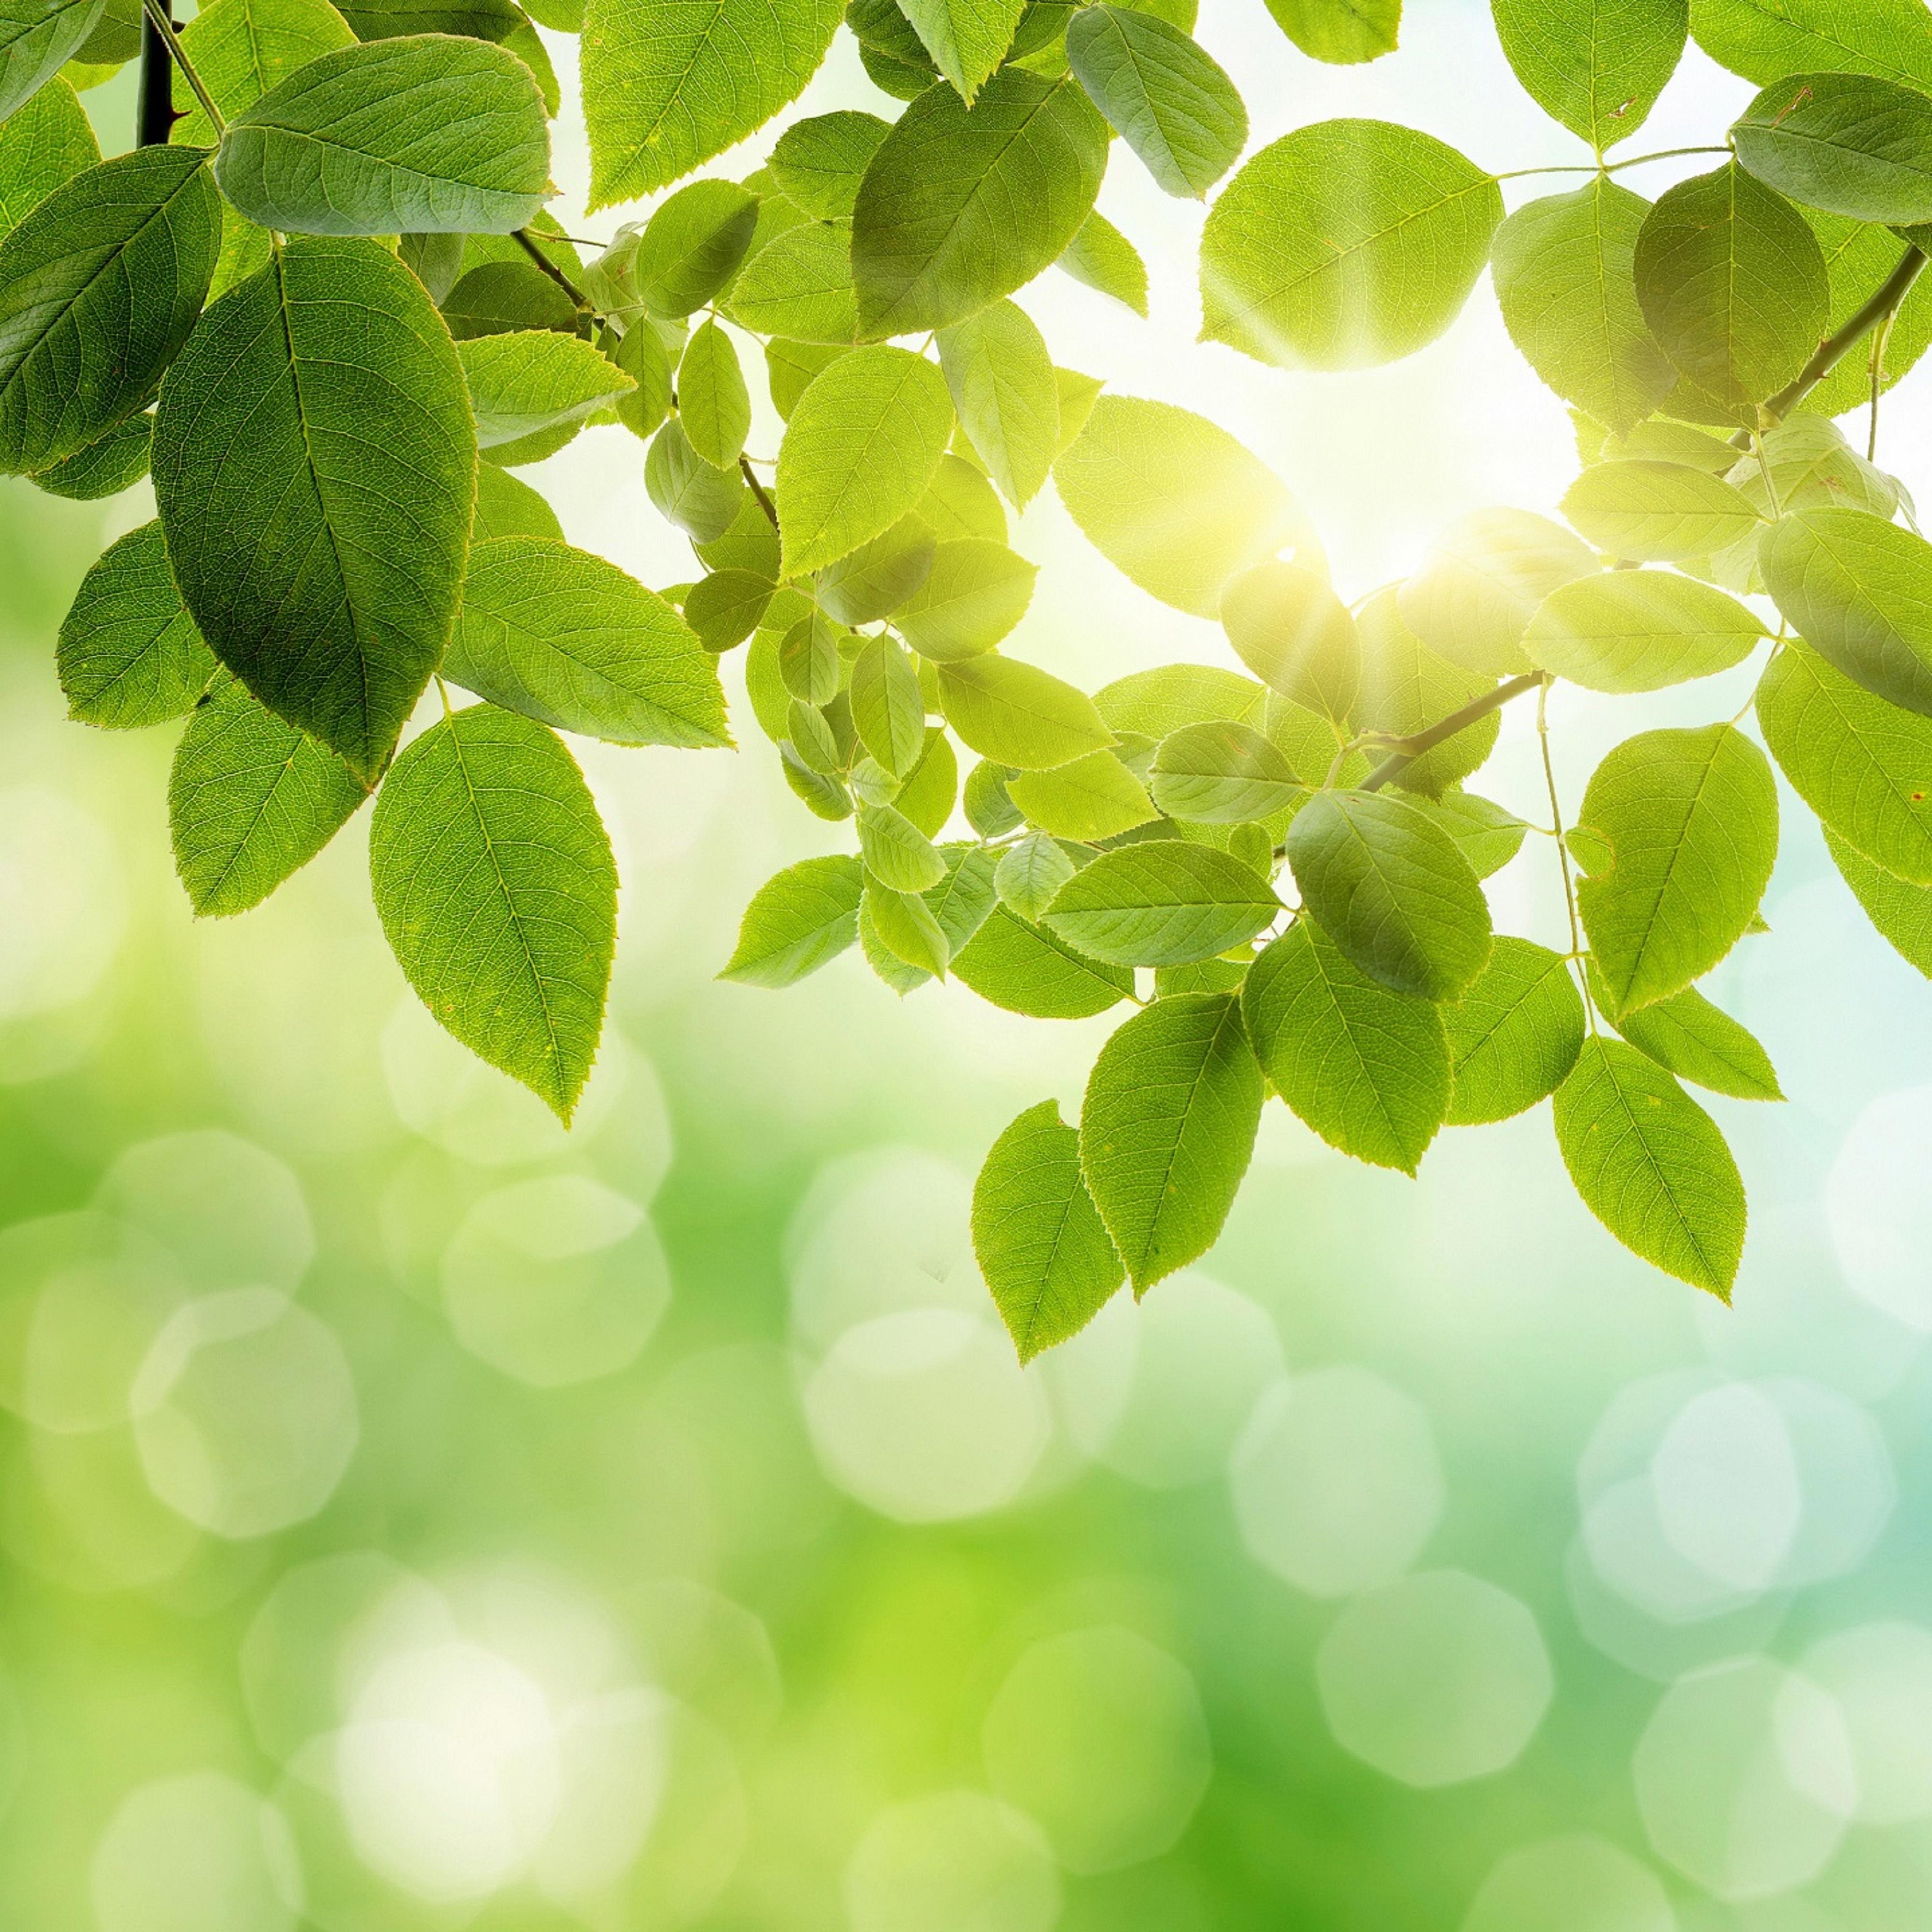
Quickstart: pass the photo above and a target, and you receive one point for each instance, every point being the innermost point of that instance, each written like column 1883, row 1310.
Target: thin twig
column 1472, row 713
column 158, row 20
column 549, row 267
column 1832, row 351
column 1562, row 849
column 765, row 503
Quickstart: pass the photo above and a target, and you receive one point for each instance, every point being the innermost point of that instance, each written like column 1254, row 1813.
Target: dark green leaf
column 106, row 466
column 130, row 654
column 1848, row 143
column 502, row 296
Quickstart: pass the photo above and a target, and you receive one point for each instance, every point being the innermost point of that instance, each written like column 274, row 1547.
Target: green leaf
column 429, row 134
column 878, row 578
column 1651, row 1164
column 1478, row 588
column 1019, row 714
column 506, row 507
column 796, row 921
column 1167, row 1128
column 897, row 853
column 1732, row 283
column 1690, row 1037
column 691, row 246
column 1394, row 891
column 99, row 287
column 1344, row 244
column 1029, row 872
column 242, row 48
column 1596, row 66
column 1406, row 687
column 960, row 503
column 808, row 660
column 526, row 379
column 1691, row 818
column 562, row 636
column 1342, row 32
column 388, row 19
column 111, row 463
column 502, row 295
column 966, row 39
column 823, row 795
column 1659, row 512
column 800, row 286
column 907, row 927
column 702, row 500
column 1174, row 501
column 1169, row 99
column 37, row 37
column 494, row 879
column 315, row 465
column 712, row 401
column 1858, row 590
column 860, row 448
column 818, row 162
column 1367, row 1068
column 1765, row 42
column 1023, row 969
column 43, row 143
column 1565, row 278
column 1627, row 631
column 1002, row 379
column 1514, row 1035
column 250, row 800
column 1490, row 835
column 1296, row 635
column 964, row 899
column 1154, row 703
column 1900, row 914
column 1103, row 258
column 1222, row 774
column 973, row 594
column 1093, row 798
column 934, row 236
column 887, row 710
column 1863, row 766
column 1161, row 902
column 1848, row 143
column 129, row 653
column 726, row 607
column 669, row 83
column 1042, row 1248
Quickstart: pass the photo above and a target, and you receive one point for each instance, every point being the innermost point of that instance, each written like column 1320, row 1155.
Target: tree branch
column 549, row 267
column 1832, row 350
column 159, row 29
column 156, row 115
column 1477, row 709
column 765, row 503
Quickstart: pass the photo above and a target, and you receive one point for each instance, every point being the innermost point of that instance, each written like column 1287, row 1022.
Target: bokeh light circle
column 1880, row 1674
column 198, row 1853
column 955, row 1861
column 1574, row 1883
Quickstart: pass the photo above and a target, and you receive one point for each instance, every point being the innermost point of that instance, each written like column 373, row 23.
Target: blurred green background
column 413, row 1518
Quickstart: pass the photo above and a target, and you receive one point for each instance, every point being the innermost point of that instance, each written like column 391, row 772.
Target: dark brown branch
column 1412, row 747
column 156, row 114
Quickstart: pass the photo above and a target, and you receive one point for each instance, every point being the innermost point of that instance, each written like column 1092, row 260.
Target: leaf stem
column 765, row 503
column 522, row 236
column 1562, row 848
column 1477, row 709
column 1881, row 341
column 1602, row 167
column 1832, row 350
column 159, row 24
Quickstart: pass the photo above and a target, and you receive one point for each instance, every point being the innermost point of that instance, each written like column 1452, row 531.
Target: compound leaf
column 494, row 882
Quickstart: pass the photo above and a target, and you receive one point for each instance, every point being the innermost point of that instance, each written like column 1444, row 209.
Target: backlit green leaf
column 527, row 379
column 1103, row 258
column 1344, row 244
column 691, row 246
column 250, row 800
column 818, row 162
column 129, row 653
column 1296, row 635
column 1025, row 970
column 1175, row 503
column 935, row 238
column 1659, row 512
column 879, row 578
column 1042, row 1247
column 1222, row 774
column 887, row 710
column 242, row 48
column 99, row 287
column 1342, row 32
column 858, row 453
column 1858, row 589
column 1393, row 890
column 896, row 853
column 966, row 39
column 1002, row 379
column 712, row 401
column 1863, row 766
column 507, row 507
column 1598, row 66
column 973, row 594
column 669, row 83
column 1030, row 871
column 1167, row 1128
column 36, row 38
column 1639, row 630
column 1691, row 820
column 1900, row 913
column 1514, row 1035
column 1651, row 1164
column 494, row 882
column 1406, row 687
column 800, row 286
column 45, row 141
column 1155, row 703
column 1690, row 1037
column 1093, row 798
column 562, row 636
column 1848, row 143
column 1169, row 99
column 1017, row 715
column 1480, row 585
column 428, row 134
column 1765, row 40
column 1732, row 284
column 906, row 926
column 1160, row 902
column 702, row 500
column 1367, row 1068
